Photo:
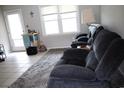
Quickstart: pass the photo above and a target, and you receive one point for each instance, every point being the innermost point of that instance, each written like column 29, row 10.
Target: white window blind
column 59, row 19
column 49, row 10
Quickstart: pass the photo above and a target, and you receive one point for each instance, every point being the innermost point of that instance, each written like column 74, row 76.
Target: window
column 59, row 19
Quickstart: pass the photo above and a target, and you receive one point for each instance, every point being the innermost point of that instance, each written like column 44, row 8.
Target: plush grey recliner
column 99, row 65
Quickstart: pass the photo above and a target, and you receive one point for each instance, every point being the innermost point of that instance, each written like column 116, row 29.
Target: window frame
column 59, row 20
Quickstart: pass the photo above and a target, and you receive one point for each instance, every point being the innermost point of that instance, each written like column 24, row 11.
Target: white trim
column 42, row 22
column 60, row 34
column 78, row 20
column 58, row 12
column 59, row 21
column 6, row 22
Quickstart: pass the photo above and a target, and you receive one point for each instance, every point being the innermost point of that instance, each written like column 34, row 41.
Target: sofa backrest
column 101, row 43
column 111, row 60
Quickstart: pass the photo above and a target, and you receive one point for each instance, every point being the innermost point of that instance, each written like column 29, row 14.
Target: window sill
column 59, row 34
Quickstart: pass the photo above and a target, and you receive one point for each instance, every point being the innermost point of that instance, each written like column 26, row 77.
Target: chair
column 100, row 64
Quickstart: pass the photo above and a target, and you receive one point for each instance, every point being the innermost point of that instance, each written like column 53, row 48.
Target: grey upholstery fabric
column 111, row 60
column 74, row 56
column 75, row 53
column 72, row 62
column 91, row 61
column 73, row 72
column 102, row 62
column 75, row 83
column 81, row 56
column 117, row 79
column 102, row 41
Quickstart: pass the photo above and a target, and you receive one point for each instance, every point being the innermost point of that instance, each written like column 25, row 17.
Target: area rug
column 38, row 75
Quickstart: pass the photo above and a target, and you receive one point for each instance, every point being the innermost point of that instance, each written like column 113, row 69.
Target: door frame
column 14, row 49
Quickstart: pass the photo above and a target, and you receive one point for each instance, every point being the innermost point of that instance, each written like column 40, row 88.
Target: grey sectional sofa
column 99, row 67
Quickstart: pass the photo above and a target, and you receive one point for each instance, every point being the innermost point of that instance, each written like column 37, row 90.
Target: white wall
column 112, row 17
column 97, row 14
column 35, row 23
column 66, row 39
column 3, row 34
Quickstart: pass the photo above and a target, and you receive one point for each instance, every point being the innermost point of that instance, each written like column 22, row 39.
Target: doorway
column 15, row 29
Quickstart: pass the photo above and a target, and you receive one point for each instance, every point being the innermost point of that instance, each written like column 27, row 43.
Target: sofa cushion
column 117, row 79
column 72, row 62
column 73, row 55
column 73, row 72
column 55, row 82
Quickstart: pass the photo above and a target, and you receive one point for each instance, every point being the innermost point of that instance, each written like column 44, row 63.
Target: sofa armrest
column 73, row 72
